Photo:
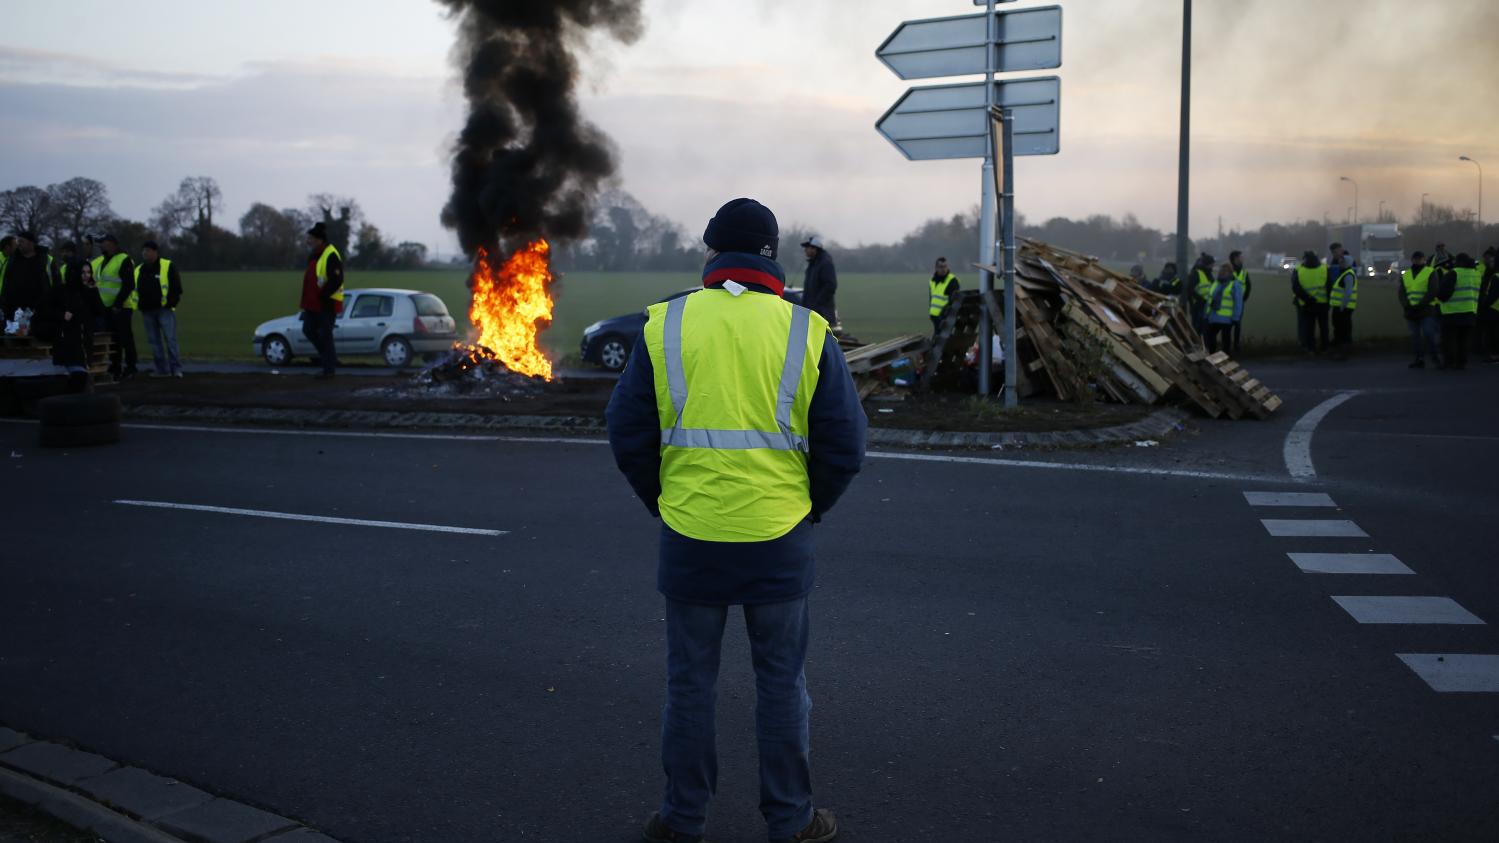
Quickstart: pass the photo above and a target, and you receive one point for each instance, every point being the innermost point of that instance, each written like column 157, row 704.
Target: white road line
column 1349, row 563
column 353, row 434
column 1409, row 610
column 1313, row 528
column 322, row 519
column 1450, row 673
column 1288, row 499
column 1298, row 448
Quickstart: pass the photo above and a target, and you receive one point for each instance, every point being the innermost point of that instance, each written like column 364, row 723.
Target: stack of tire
column 72, row 421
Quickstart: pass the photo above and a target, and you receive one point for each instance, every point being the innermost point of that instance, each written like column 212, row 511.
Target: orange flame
column 512, row 305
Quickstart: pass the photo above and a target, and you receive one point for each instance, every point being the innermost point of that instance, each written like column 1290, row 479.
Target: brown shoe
column 822, row 828
column 657, row 831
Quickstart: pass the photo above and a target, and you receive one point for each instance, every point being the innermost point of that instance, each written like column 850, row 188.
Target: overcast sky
column 774, row 99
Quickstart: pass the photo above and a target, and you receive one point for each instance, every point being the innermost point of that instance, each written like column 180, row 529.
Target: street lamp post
column 1184, row 154
column 1423, row 207
column 1478, row 229
column 1379, row 216
column 1355, row 195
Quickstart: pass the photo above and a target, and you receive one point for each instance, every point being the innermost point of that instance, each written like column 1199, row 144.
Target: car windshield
column 429, row 305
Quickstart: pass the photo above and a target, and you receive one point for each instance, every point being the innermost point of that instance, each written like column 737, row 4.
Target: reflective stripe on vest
column 734, row 382
column 1345, row 296
column 939, row 296
column 107, row 276
column 322, row 271
column 1313, row 282
column 1226, row 305
column 1464, row 293
column 1415, row 286
column 164, row 273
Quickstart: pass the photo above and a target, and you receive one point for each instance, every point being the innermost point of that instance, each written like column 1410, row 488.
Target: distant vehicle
column 395, row 324
column 1377, row 247
column 608, row 342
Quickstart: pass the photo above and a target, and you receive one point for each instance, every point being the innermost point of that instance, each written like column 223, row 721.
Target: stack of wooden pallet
column 35, row 348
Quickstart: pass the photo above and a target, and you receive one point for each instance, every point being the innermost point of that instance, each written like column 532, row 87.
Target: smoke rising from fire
column 526, row 164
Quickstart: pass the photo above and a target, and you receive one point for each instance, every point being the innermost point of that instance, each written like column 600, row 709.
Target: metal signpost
column 989, row 120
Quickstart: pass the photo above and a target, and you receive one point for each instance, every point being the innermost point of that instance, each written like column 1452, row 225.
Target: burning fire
column 512, row 305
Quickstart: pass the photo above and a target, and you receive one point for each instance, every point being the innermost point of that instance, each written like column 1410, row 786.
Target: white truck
column 1377, row 247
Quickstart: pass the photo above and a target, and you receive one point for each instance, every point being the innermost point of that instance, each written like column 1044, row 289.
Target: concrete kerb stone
column 56, row 763
column 142, row 794
column 223, row 821
column 10, row 739
column 1157, row 425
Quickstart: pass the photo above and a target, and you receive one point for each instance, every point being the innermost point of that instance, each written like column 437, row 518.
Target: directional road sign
column 1026, row 39
column 952, row 121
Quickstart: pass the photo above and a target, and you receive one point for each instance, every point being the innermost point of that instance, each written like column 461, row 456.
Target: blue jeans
column 778, row 647
column 1426, row 332
column 161, row 332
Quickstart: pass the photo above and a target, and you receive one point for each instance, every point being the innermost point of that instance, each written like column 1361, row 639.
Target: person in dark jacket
column 1457, row 323
column 27, row 279
column 159, row 317
column 1419, row 305
column 74, row 307
column 1246, row 286
column 115, row 274
column 820, row 284
column 1488, row 306
column 1311, row 304
column 322, row 296
column 770, row 577
column 1167, row 283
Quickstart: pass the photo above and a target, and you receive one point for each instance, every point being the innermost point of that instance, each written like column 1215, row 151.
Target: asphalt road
column 1105, row 645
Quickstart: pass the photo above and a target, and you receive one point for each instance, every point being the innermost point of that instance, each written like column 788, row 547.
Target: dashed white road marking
column 1288, row 499
column 1455, row 672
column 1407, row 610
column 322, row 519
column 1349, row 563
column 1313, row 528
column 1298, row 447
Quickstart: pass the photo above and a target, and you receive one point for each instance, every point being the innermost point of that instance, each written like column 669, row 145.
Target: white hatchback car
column 395, row 324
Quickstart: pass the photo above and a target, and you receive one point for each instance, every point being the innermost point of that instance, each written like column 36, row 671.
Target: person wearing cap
column 1309, row 282
column 942, row 288
column 322, row 296
column 736, row 422
column 27, row 278
column 115, row 275
column 1488, row 305
column 1458, row 297
column 820, row 283
column 1246, row 286
column 1418, row 301
column 1202, row 289
column 1225, row 306
column 159, row 288
column 1169, row 282
column 1342, row 297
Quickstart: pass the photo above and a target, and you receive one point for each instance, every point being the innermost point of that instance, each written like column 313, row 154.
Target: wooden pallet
column 1235, row 384
column 881, row 354
column 1163, row 354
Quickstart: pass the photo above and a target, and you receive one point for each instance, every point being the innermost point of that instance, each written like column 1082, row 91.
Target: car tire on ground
column 396, row 351
column 276, row 350
column 613, row 353
column 81, row 409
column 78, row 435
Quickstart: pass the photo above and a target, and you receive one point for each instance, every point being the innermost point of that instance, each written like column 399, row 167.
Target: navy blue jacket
column 724, row 573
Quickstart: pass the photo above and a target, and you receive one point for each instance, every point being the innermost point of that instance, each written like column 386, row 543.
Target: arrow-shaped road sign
column 952, row 121
column 1025, row 39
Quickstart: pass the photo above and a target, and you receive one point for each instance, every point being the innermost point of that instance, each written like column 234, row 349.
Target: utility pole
column 1184, row 155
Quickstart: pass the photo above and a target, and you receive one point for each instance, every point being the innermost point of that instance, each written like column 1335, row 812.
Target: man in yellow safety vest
column 942, row 288
column 1459, row 306
column 1418, row 289
column 1342, row 297
column 322, row 296
column 115, row 275
column 737, row 423
column 1309, row 283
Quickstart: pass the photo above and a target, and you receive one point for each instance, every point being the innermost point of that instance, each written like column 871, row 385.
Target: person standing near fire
column 322, row 296
column 115, row 276
column 942, row 288
column 737, row 423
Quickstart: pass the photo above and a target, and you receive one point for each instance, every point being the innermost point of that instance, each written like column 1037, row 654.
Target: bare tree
column 79, row 206
column 27, row 208
column 341, row 215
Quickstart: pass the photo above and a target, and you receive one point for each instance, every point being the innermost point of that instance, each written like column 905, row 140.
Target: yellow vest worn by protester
column 1415, row 286
column 107, row 276
column 166, row 266
column 940, row 298
column 322, row 271
column 1345, row 290
column 1226, row 306
column 1204, row 288
column 734, row 381
column 1313, row 282
column 1464, row 293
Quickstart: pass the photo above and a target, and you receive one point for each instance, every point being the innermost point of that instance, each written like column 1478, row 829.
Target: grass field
column 220, row 310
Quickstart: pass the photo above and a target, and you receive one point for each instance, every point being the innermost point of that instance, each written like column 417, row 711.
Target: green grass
column 220, row 310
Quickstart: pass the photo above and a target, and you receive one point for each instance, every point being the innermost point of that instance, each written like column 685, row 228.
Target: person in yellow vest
column 737, row 423
column 1488, row 305
column 1224, row 307
column 1246, row 286
column 159, row 288
column 115, row 274
column 7, row 247
column 322, row 296
column 1418, row 289
column 1459, row 306
column 1202, row 289
column 1342, row 298
column 942, row 288
column 1309, row 284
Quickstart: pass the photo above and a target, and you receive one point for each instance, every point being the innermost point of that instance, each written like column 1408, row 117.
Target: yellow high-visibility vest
column 1314, row 282
column 1464, row 293
column 107, row 276
column 939, row 296
column 322, row 271
column 166, row 266
column 1345, row 295
column 1415, row 286
column 734, row 378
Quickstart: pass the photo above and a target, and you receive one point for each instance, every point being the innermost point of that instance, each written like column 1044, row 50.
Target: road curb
column 124, row 804
column 1157, row 425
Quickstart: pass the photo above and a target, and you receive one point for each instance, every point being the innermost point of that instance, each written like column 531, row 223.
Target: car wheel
column 397, row 352
column 276, row 350
column 614, row 354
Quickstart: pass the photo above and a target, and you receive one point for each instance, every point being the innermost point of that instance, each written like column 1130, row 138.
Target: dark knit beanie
column 744, row 225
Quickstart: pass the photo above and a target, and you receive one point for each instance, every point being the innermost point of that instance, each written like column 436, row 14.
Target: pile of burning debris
column 475, row 371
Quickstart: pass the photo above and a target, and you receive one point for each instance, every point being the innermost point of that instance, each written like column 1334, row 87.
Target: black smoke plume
column 527, row 164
